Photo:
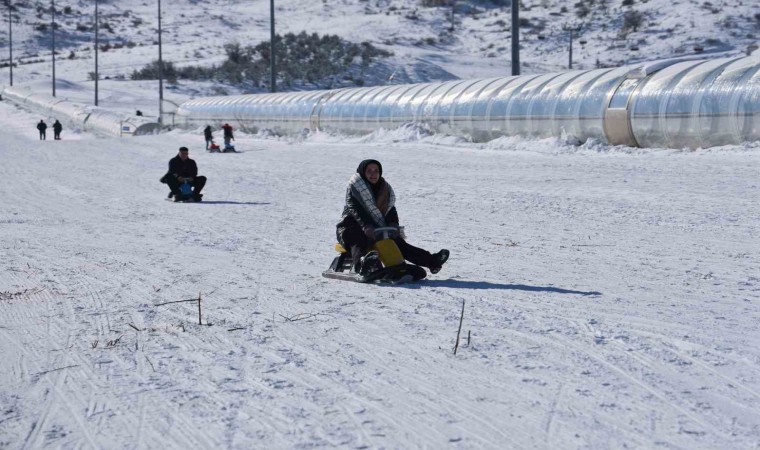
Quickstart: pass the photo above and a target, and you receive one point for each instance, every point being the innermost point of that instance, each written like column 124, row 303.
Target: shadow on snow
column 464, row 284
column 223, row 202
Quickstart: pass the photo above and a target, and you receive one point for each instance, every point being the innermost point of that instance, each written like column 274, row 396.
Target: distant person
column 227, row 134
column 57, row 128
column 42, row 126
column 209, row 135
column 139, row 113
column 182, row 169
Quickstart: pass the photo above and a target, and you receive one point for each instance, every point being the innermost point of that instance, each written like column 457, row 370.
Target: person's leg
column 198, row 183
column 414, row 254
column 357, row 243
column 421, row 257
column 173, row 185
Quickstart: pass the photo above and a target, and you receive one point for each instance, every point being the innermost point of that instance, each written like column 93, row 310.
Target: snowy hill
column 464, row 39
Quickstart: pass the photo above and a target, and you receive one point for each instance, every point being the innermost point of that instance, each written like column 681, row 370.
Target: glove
column 369, row 231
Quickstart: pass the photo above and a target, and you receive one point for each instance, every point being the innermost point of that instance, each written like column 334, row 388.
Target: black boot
column 370, row 263
column 438, row 260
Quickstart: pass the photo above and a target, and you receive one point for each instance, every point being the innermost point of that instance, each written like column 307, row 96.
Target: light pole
column 272, row 75
column 97, row 44
column 571, row 30
column 160, row 71
column 515, row 37
column 10, row 36
column 52, row 7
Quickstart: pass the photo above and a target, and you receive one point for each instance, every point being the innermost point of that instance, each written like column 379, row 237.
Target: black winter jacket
column 184, row 169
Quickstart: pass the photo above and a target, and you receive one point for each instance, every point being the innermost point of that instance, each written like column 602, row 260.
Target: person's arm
column 391, row 218
column 174, row 168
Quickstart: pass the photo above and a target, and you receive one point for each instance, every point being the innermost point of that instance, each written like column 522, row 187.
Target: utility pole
column 52, row 7
column 10, row 36
column 571, row 30
column 97, row 44
column 515, row 37
column 272, row 75
column 453, row 10
column 160, row 72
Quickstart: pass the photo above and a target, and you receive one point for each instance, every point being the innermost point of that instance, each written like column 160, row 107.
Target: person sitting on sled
column 182, row 169
column 370, row 204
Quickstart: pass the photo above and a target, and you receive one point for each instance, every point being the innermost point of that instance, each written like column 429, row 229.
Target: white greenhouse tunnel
column 673, row 104
column 85, row 117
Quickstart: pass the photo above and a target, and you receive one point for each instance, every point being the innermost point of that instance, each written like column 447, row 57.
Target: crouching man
column 183, row 179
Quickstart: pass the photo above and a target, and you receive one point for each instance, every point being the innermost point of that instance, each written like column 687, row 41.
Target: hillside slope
column 427, row 42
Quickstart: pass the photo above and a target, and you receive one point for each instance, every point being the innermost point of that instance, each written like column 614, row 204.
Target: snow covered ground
column 610, row 296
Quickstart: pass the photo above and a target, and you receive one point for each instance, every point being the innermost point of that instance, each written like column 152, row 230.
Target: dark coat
column 207, row 133
column 355, row 215
column 184, row 169
column 179, row 168
column 228, row 131
column 57, row 127
column 42, row 126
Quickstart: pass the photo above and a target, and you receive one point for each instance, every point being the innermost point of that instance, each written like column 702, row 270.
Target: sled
column 394, row 271
column 185, row 194
column 228, row 148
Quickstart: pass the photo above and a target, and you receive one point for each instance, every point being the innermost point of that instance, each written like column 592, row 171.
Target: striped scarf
column 361, row 191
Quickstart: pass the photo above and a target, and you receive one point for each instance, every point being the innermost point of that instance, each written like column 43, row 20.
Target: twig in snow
column 593, row 245
column 134, row 327
column 461, row 317
column 468, row 337
column 304, row 316
column 177, row 301
column 235, row 329
column 113, row 343
column 199, row 309
column 151, row 364
column 55, row 370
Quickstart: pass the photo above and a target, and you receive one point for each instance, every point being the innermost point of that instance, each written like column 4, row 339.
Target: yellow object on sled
column 389, row 252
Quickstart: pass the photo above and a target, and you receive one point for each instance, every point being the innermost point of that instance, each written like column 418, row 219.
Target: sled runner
column 394, row 269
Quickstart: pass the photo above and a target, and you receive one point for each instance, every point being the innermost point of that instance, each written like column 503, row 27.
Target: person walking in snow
column 57, row 128
column 370, row 204
column 182, row 169
column 42, row 126
column 227, row 135
column 209, row 135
